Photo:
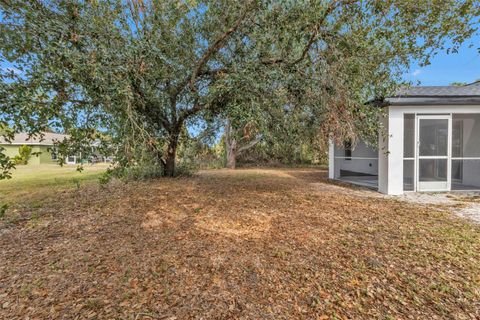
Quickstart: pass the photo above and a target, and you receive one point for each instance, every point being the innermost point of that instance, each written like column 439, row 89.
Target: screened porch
column 441, row 152
column 357, row 164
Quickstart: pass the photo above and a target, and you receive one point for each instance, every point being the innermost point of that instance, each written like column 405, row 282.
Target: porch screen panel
column 466, row 135
column 409, row 152
column 466, row 152
column 434, row 137
column 432, row 170
column 409, row 136
column 465, row 175
column 408, row 175
column 356, row 163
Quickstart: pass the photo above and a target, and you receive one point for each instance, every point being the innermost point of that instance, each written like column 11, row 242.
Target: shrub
column 24, row 155
column 132, row 173
column 186, row 168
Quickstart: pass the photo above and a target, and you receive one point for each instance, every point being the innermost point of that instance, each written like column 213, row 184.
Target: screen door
column 433, row 143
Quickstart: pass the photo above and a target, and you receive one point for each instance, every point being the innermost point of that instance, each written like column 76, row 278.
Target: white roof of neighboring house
column 47, row 139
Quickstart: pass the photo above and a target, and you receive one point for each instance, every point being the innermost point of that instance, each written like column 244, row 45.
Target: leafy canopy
column 140, row 71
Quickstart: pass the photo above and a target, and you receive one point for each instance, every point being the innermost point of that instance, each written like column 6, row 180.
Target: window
column 347, row 145
column 53, row 153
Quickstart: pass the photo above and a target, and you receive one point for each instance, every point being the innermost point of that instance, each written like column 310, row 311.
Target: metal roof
column 48, row 139
column 446, row 95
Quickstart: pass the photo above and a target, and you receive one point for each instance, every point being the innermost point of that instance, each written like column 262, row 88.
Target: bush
column 24, row 155
column 143, row 172
column 186, row 168
column 132, row 173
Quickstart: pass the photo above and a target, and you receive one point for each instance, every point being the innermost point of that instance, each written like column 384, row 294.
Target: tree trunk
column 169, row 159
column 169, row 166
column 230, row 146
column 231, row 156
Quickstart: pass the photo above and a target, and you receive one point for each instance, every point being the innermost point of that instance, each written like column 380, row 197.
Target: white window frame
column 67, row 160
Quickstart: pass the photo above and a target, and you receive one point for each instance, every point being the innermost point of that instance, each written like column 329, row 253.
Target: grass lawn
column 33, row 182
column 244, row 244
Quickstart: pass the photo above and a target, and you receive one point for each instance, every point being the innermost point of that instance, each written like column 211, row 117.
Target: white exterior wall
column 383, row 157
column 331, row 160
column 365, row 166
column 363, row 160
column 395, row 152
column 390, row 153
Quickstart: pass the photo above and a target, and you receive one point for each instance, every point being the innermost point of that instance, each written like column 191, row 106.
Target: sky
column 444, row 69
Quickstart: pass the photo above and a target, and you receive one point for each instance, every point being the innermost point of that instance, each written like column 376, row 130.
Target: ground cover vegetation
column 168, row 86
column 236, row 244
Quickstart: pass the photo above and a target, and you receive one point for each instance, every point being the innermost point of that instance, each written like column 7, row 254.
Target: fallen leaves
column 245, row 244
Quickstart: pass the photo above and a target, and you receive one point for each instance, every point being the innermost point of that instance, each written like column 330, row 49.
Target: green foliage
column 198, row 152
column 458, row 84
column 105, row 178
column 141, row 71
column 3, row 210
column 290, row 138
column 143, row 172
column 24, row 155
column 6, row 165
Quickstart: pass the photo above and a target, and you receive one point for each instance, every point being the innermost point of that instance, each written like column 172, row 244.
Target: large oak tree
column 140, row 71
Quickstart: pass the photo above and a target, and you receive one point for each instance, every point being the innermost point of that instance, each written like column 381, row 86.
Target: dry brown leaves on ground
column 246, row 244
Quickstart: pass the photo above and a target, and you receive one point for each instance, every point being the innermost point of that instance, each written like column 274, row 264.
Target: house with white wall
column 430, row 142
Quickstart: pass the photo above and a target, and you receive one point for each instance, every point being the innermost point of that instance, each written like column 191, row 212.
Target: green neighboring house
column 44, row 146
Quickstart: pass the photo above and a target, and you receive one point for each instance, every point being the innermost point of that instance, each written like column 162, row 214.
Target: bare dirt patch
column 246, row 244
column 464, row 205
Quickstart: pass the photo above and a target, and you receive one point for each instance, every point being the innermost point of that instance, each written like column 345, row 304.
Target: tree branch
column 249, row 145
column 217, row 45
column 197, row 107
column 312, row 39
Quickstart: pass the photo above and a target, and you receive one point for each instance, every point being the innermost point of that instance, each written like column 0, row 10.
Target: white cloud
column 416, row 72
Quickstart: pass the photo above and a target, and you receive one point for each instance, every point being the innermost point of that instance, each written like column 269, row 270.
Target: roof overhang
column 3, row 143
column 433, row 100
